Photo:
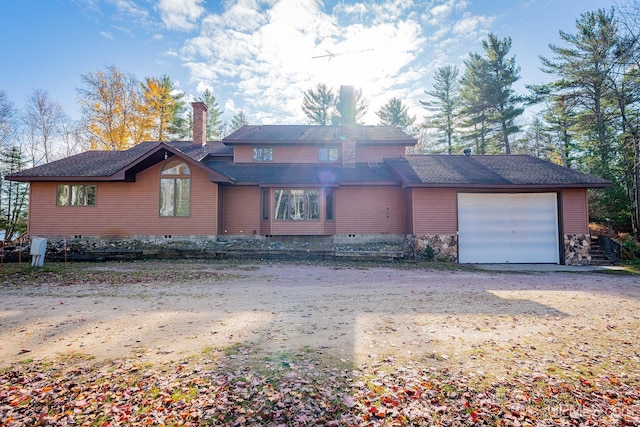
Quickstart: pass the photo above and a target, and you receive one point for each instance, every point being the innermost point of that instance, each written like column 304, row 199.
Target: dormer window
column 263, row 154
column 328, row 154
column 175, row 189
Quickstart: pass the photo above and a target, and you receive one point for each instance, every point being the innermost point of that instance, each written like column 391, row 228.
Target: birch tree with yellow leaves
column 112, row 117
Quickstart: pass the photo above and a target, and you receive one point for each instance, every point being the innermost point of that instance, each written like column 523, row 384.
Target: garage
column 508, row 228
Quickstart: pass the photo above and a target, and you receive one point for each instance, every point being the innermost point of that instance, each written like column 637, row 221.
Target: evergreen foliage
column 395, row 114
column 13, row 195
column 214, row 121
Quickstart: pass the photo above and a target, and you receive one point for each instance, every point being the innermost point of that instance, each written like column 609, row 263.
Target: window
column 328, row 154
column 296, row 205
column 328, row 200
column 76, row 195
column 175, row 189
column 265, row 204
column 263, row 154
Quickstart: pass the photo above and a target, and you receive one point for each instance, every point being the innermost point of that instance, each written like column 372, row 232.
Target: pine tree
column 14, row 195
column 237, row 121
column 320, row 105
column 582, row 68
column 444, row 105
column 163, row 110
column 502, row 73
column 7, row 113
column 362, row 106
column 393, row 113
column 213, row 115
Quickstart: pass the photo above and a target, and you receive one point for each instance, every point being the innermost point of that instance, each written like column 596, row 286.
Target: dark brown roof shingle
column 90, row 164
column 304, row 174
column 488, row 171
column 296, row 134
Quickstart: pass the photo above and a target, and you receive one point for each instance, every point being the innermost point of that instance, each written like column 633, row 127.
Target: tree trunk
column 505, row 138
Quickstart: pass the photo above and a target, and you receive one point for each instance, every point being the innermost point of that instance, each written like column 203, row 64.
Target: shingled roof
column 90, row 164
column 201, row 152
column 120, row 165
column 309, row 134
column 479, row 171
column 493, row 171
column 304, row 174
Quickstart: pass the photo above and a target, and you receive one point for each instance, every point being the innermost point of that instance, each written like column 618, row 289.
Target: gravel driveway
column 477, row 320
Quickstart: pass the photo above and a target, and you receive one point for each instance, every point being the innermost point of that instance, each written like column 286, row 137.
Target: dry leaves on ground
column 236, row 388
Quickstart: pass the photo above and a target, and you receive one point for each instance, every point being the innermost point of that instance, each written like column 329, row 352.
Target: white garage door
column 508, row 228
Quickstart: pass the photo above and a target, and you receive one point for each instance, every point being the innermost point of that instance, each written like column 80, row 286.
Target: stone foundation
column 444, row 247
column 576, row 249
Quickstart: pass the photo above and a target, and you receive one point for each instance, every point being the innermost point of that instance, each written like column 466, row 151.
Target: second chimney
column 199, row 123
column 348, row 116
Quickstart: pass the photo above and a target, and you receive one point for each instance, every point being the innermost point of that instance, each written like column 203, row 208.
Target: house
column 342, row 183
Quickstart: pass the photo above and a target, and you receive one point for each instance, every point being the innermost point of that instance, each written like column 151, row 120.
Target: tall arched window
column 175, row 189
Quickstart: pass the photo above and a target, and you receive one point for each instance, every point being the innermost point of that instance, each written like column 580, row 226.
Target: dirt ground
column 477, row 321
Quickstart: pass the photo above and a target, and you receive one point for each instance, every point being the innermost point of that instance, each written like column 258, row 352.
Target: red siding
column 241, row 210
column 434, row 211
column 124, row 209
column 408, row 206
column 575, row 213
column 244, row 154
column 376, row 154
column 296, row 228
column 369, row 210
column 309, row 154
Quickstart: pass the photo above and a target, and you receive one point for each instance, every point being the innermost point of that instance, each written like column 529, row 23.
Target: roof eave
column 59, row 178
column 128, row 172
column 387, row 142
column 463, row 186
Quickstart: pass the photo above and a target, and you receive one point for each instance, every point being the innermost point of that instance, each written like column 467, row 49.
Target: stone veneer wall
column 445, row 246
column 576, row 249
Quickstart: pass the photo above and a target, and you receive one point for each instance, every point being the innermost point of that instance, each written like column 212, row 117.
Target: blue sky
column 257, row 55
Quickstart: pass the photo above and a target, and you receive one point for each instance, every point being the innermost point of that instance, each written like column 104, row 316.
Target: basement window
column 76, row 195
column 175, row 189
column 296, row 205
column 263, row 154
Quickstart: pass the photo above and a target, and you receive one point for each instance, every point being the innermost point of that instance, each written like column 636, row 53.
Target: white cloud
column 440, row 13
column 131, row 10
column 268, row 53
column 472, row 25
column 106, row 35
column 262, row 51
column 230, row 107
column 180, row 14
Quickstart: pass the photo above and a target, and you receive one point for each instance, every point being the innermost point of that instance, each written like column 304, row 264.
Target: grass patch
column 55, row 274
column 631, row 267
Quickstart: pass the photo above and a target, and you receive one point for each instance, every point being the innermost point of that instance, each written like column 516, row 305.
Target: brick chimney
column 199, row 123
column 348, row 132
